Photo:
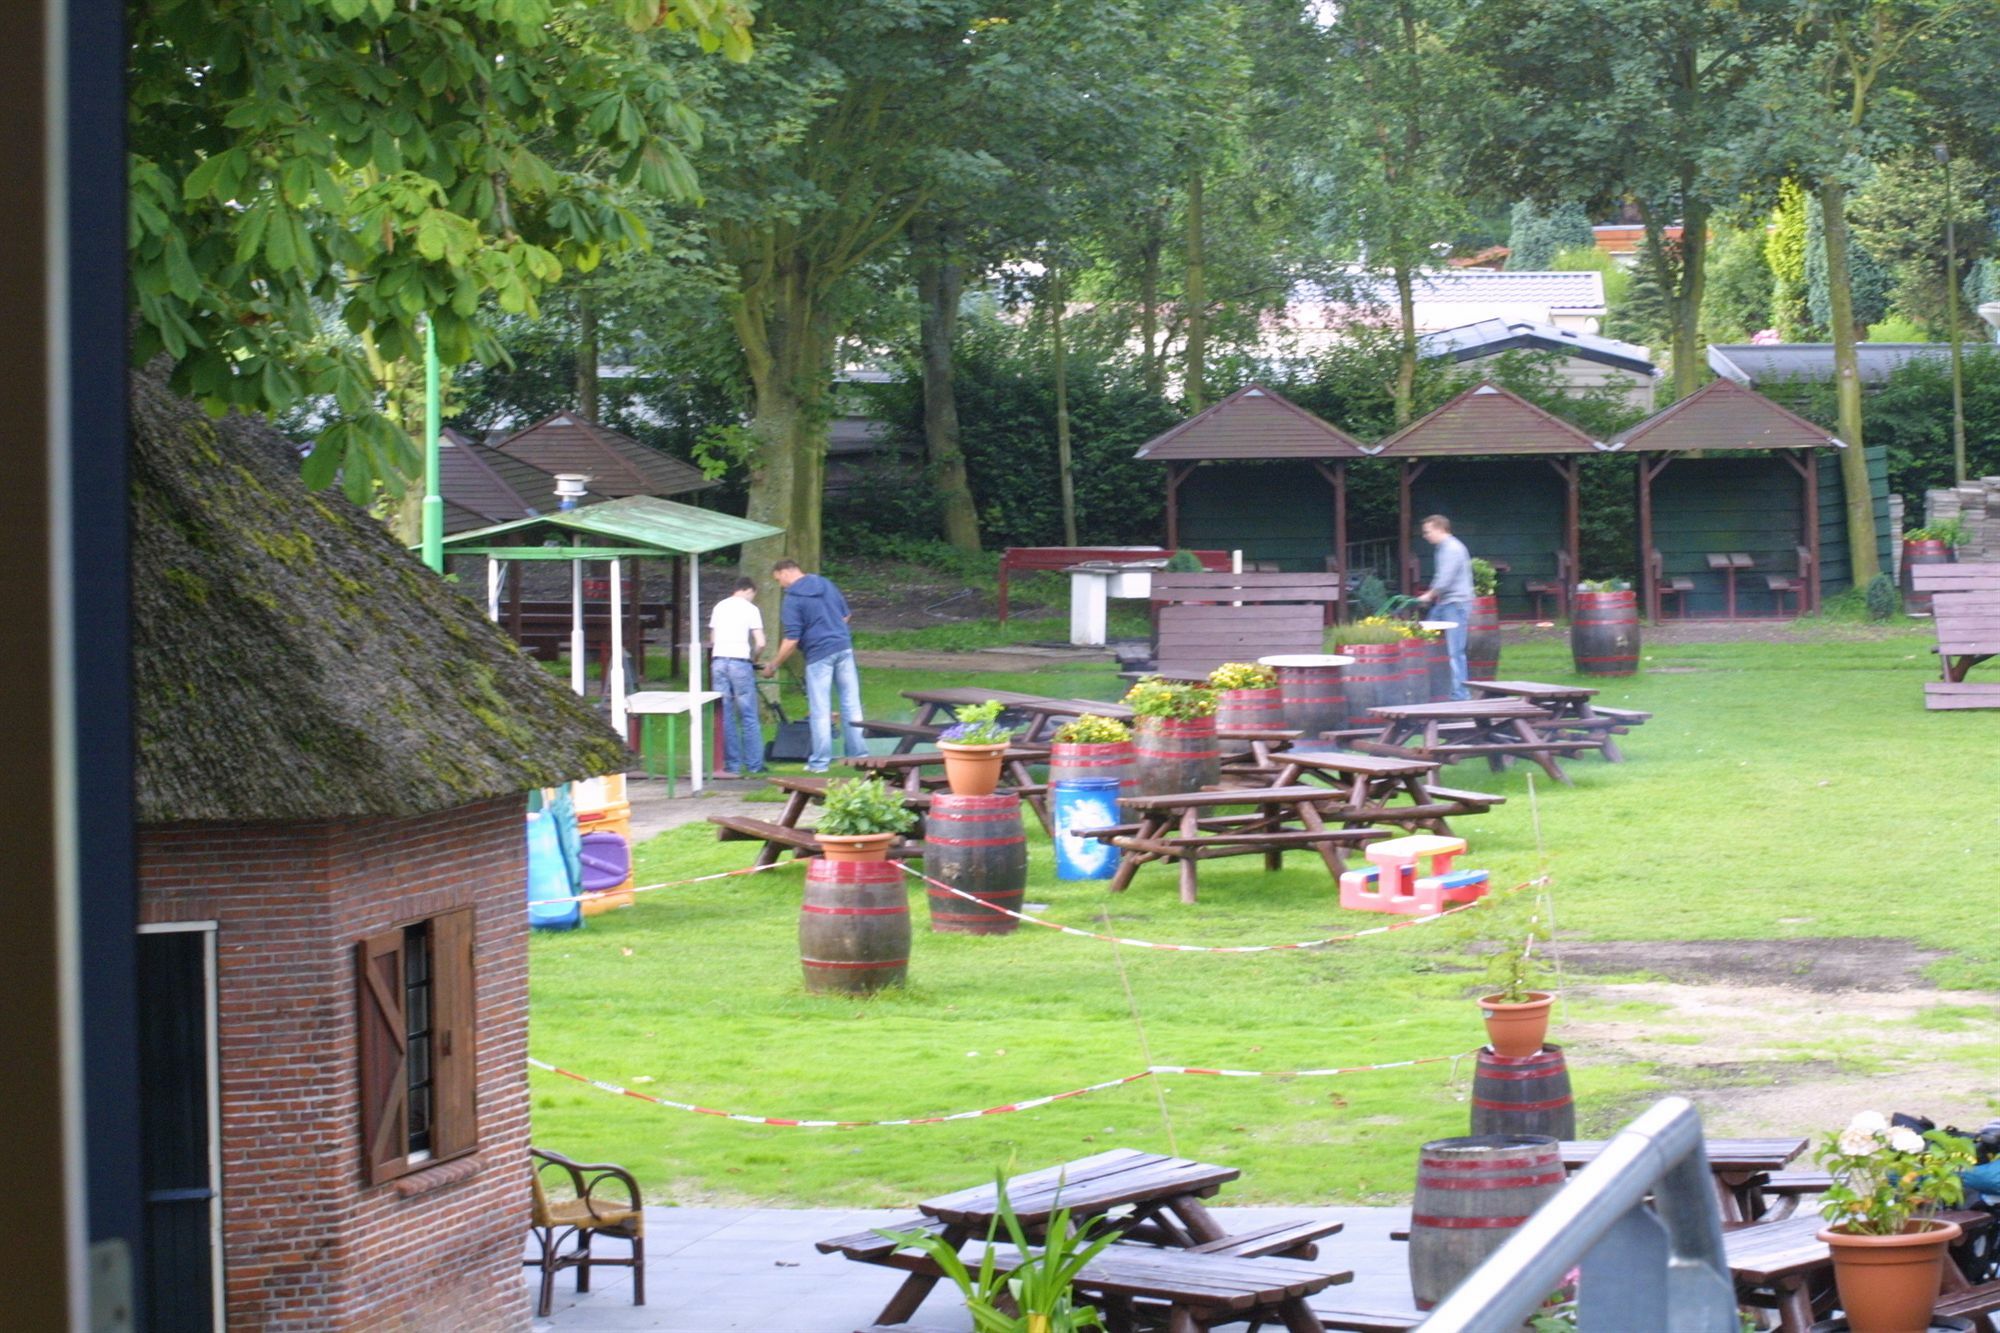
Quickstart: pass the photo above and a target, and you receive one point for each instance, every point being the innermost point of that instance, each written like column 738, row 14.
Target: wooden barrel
column 1175, row 754
column 1471, row 1195
column 975, row 844
column 1249, row 710
column 1482, row 640
column 1074, row 761
column 854, row 926
column 1374, row 681
column 1604, row 633
column 1439, row 662
column 1416, row 670
column 1921, row 553
column 1526, row 1094
column 1311, row 692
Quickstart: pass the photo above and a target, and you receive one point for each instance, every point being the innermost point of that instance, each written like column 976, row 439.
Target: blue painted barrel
column 551, row 901
column 1084, row 803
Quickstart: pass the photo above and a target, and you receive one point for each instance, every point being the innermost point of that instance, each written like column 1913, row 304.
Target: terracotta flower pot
column 855, row 846
column 972, row 770
column 1516, row 1030
column 1889, row 1284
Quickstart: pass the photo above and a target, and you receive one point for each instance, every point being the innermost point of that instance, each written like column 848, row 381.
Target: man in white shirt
column 736, row 633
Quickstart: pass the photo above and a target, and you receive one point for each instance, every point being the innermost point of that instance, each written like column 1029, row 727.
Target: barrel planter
column 1249, row 710
column 1525, row 1095
column 1311, row 690
column 1604, row 633
column 1439, row 661
column 1416, row 670
column 1074, row 761
column 1175, row 754
column 1374, row 681
column 975, row 844
column 1482, row 640
column 1083, row 803
column 854, row 927
column 1921, row 553
column 1472, row 1194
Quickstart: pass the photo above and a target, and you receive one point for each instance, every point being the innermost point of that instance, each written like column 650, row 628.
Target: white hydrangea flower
column 1858, row 1142
column 1870, row 1122
column 1905, row 1139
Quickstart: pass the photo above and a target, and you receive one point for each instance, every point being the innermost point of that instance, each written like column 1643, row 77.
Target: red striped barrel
column 1175, row 754
column 1416, row 659
column 1482, row 640
column 1527, row 1094
column 854, row 926
column 1311, row 692
column 1604, row 633
column 1075, row 761
column 1250, row 710
column 1921, row 553
column 1374, row 681
column 975, row 844
column 1437, row 664
column 1472, row 1194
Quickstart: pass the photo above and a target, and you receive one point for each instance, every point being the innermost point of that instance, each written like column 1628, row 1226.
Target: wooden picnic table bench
column 1494, row 729
column 1042, row 713
column 1571, row 709
column 779, row 838
column 1965, row 614
column 1170, row 828
column 1367, row 784
column 908, row 769
column 1737, row 1166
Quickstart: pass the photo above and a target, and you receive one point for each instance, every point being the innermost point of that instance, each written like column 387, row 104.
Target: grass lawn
column 1784, row 791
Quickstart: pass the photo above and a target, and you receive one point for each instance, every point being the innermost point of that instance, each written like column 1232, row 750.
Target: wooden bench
column 1351, row 1314
column 1203, row 620
column 1052, row 559
column 1978, row 1304
column 1965, row 611
column 781, row 838
column 1794, row 586
column 1676, row 587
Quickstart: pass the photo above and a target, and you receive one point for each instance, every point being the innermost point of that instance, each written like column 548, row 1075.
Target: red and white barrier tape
column 1156, row 1071
column 670, row 884
column 1403, row 923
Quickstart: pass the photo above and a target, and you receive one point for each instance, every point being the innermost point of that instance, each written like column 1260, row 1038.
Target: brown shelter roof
column 1724, row 415
column 616, row 464
column 1252, row 423
column 1485, row 420
column 487, row 485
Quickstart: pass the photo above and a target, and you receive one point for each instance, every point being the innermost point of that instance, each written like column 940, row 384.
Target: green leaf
column 322, row 465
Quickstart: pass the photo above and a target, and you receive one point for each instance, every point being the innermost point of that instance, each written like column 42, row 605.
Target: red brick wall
column 307, row 1243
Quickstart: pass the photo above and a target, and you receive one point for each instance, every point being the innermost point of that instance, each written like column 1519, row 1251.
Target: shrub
column 1883, row 599
column 1485, row 578
column 1183, row 562
column 1242, row 676
column 1184, row 701
column 1090, row 729
column 1374, row 629
column 1371, row 594
column 863, row 805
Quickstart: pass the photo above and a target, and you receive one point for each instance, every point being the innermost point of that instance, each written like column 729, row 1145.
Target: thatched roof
column 292, row 662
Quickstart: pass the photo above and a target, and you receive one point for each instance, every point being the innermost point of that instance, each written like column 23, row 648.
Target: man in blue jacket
column 815, row 624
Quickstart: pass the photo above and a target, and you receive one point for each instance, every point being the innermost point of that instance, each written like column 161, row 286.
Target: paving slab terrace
column 754, row 1270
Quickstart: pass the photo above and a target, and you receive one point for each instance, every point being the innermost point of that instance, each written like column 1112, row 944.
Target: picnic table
column 1728, row 562
column 1495, row 729
column 1044, row 713
column 1015, row 761
column 1788, row 1263
column 1365, row 785
column 1739, row 1167
column 1185, row 827
column 1198, row 1272
column 1570, row 707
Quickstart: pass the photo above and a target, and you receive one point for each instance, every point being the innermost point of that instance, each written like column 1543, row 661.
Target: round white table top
column 1306, row 660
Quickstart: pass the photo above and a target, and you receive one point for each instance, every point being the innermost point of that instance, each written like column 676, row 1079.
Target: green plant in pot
column 1370, row 630
column 1174, row 700
column 1516, row 1010
column 1485, row 578
column 1174, row 748
column 861, row 821
column 1950, row 533
column 1246, row 696
column 1037, row 1290
column 1605, row 585
column 1090, row 729
column 1888, row 1244
column 1243, row 676
column 973, row 747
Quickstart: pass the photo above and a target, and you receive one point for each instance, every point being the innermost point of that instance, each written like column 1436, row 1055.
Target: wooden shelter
column 1258, row 443
column 482, row 485
column 616, row 464
column 1475, row 459
column 1730, row 504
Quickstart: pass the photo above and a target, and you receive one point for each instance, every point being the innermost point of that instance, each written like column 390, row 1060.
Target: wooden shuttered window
column 430, row 1044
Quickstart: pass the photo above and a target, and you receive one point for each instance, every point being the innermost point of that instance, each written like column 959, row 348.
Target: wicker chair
column 585, row 1217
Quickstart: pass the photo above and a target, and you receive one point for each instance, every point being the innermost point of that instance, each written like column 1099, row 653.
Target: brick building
column 333, row 746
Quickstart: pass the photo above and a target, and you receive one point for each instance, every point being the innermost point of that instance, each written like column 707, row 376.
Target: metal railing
column 1644, row 1269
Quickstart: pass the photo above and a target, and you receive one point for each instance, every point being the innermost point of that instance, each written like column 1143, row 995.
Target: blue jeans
column 735, row 679
column 822, row 677
column 1459, row 615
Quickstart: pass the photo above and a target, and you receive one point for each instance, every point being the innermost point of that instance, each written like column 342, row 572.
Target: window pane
column 417, row 1016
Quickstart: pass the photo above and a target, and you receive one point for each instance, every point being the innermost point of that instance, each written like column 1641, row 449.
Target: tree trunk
column 940, row 281
column 1406, row 344
column 1195, row 390
column 1684, row 300
column 586, row 358
column 1057, row 297
column 1847, row 386
column 1152, row 361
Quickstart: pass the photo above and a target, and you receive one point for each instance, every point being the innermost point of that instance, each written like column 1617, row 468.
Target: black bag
column 1978, row 1256
column 793, row 742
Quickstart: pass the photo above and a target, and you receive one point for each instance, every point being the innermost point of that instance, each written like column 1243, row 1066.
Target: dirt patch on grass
column 1823, row 965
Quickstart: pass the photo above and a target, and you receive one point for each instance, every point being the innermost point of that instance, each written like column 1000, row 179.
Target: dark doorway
column 177, row 1090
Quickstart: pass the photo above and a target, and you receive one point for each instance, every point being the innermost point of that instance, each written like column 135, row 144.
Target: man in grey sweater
column 1450, row 593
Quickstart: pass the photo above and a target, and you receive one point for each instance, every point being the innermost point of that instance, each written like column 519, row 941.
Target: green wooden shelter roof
column 637, row 525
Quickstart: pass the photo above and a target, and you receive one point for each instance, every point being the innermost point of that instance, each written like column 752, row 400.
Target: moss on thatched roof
column 292, row 662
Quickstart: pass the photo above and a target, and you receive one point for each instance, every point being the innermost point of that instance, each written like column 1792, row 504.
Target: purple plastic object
column 607, row 861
